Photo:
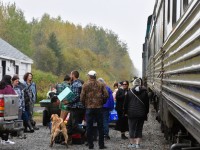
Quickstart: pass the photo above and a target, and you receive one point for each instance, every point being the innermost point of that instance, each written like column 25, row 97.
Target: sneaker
column 131, row 146
column 137, row 145
column 9, row 142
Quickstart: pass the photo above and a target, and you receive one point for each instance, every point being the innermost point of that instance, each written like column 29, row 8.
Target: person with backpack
column 59, row 88
column 136, row 108
column 32, row 92
column 26, row 115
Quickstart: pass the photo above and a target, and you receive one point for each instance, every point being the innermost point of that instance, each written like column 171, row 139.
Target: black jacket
column 120, row 100
column 134, row 107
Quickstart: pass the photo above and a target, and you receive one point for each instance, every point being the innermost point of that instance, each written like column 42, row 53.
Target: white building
column 12, row 61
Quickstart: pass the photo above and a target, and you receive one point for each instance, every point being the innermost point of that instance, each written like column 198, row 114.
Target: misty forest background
column 57, row 47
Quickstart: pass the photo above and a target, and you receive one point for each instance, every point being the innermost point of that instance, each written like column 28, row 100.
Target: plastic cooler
column 49, row 106
column 49, row 110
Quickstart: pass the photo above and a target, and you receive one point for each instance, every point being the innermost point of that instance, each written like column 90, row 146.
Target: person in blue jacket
column 107, row 107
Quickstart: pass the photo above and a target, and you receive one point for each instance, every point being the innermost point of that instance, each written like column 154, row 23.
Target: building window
column 16, row 69
column 3, row 67
column 168, row 13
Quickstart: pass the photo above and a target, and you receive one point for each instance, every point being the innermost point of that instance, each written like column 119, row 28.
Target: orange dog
column 58, row 126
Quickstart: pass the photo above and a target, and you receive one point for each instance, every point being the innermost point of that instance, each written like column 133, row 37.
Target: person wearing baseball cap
column 94, row 96
column 92, row 73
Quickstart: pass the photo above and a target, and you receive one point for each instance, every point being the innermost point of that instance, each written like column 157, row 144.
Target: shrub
column 43, row 82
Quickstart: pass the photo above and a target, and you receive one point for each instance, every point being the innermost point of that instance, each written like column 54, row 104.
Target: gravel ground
column 39, row 140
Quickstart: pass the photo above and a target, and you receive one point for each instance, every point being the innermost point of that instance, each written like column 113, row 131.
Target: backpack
column 27, row 95
column 77, row 139
column 60, row 87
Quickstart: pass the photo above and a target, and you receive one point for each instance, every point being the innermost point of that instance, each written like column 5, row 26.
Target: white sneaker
column 137, row 145
column 9, row 142
column 131, row 146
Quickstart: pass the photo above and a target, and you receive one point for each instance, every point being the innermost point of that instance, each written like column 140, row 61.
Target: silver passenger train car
column 171, row 69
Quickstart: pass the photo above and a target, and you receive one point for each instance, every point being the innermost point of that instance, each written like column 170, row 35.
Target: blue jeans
column 94, row 114
column 106, row 115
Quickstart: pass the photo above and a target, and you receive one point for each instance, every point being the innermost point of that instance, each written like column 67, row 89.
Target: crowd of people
column 92, row 102
column 27, row 95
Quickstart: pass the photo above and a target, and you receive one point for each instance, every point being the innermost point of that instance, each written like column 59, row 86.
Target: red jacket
column 7, row 90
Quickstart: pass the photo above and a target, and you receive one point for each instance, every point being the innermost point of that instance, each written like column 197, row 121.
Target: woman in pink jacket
column 6, row 88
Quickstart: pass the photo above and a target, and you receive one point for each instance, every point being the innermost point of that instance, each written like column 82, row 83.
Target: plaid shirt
column 76, row 88
column 20, row 94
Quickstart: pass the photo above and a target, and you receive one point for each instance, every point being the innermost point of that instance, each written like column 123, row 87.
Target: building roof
column 7, row 51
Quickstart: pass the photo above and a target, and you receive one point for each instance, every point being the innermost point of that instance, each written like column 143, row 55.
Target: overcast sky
column 127, row 18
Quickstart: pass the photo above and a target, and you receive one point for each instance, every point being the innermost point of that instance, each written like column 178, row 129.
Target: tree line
column 58, row 46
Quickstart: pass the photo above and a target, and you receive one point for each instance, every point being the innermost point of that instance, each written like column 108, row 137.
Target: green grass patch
column 37, row 114
column 37, row 105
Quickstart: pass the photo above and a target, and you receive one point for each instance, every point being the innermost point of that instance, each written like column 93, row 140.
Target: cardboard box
column 66, row 94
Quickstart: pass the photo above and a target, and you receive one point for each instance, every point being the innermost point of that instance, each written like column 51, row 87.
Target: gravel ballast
column 153, row 139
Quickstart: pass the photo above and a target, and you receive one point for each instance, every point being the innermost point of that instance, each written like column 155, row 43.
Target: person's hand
column 65, row 102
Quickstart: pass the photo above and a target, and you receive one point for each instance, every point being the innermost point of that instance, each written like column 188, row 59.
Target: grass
column 37, row 105
column 37, row 114
column 37, row 117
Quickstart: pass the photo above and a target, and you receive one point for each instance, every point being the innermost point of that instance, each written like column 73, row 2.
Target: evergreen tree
column 54, row 45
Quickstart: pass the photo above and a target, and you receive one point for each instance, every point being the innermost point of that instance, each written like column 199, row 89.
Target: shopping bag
column 113, row 115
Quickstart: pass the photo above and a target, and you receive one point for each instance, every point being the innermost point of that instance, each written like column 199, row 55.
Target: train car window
column 185, row 5
column 189, row 1
column 168, row 12
column 174, row 15
column 178, row 10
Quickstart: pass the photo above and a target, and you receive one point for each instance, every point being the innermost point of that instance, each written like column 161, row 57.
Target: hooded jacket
column 110, row 100
column 134, row 107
